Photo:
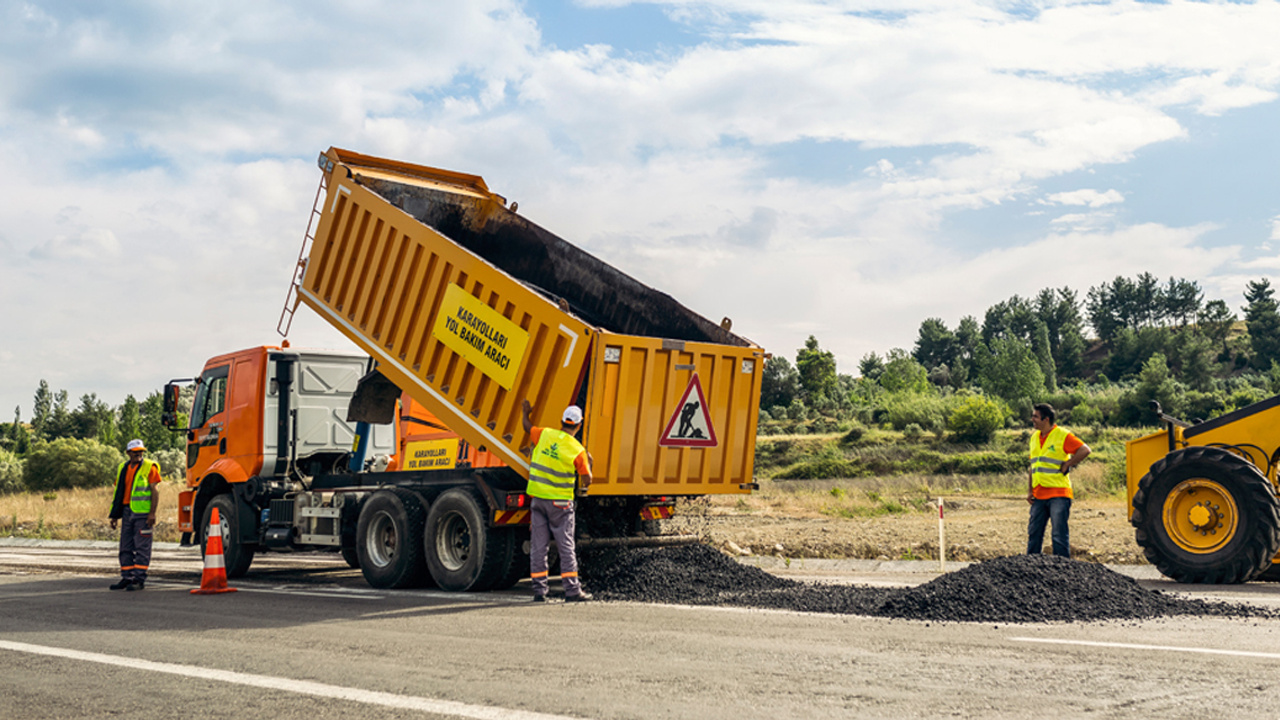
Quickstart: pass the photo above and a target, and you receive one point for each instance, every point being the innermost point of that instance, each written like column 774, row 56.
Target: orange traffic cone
column 214, row 579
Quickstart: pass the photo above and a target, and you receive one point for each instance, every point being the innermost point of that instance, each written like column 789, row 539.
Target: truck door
column 208, row 421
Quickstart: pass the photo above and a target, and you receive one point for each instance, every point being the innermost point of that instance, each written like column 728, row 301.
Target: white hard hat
column 572, row 415
column 135, row 445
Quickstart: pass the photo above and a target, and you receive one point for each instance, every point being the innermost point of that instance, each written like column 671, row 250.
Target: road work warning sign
column 481, row 335
column 690, row 424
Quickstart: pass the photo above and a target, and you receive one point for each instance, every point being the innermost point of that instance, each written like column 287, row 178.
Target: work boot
column 583, row 596
column 136, row 585
column 123, row 584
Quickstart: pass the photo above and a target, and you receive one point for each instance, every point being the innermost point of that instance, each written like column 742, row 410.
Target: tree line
column 1130, row 341
column 80, row 446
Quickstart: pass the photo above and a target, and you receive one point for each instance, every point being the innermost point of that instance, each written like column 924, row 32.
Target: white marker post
column 942, row 541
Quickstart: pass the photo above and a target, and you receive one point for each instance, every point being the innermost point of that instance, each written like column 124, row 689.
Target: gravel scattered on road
column 1015, row 589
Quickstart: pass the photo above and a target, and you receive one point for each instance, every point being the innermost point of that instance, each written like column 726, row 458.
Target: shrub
column 173, row 463
column 912, row 431
column 10, row 473
column 927, row 411
column 1085, row 414
column 70, row 463
column 854, row 434
column 976, row 418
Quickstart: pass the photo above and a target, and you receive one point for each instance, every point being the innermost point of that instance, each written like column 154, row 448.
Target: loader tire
column 463, row 552
column 389, row 539
column 235, row 555
column 1204, row 515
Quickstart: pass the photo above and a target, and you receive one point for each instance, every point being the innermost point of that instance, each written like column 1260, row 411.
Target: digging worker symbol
column 558, row 459
column 1053, row 452
column 686, row 421
column 134, row 507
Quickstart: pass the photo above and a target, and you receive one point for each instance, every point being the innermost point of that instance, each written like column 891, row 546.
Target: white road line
column 1165, row 648
column 302, row 687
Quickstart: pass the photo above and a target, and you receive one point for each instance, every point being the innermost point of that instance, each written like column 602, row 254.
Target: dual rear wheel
column 401, row 542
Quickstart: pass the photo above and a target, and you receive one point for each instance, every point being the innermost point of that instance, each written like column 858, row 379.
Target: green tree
column 59, row 423
column 1182, row 300
column 1010, row 371
column 1060, row 313
column 935, row 345
column 129, row 420
column 1215, row 322
column 968, row 338
column 1155, row 382
column 41, row 408
column 903, row 374
column 870, row 366
column 70, row 463
column 153, row 433
column 817, row 370
column 93, row 419
column 1263, row 321
column 779, row 385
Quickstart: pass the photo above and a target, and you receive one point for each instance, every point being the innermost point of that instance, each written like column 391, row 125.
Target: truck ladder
column 292, row 299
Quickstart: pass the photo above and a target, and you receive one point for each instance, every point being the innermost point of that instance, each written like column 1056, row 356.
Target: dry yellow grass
column 78, row 514
column 889, row 495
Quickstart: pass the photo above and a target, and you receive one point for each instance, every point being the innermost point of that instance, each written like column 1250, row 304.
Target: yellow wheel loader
column 1202, row 497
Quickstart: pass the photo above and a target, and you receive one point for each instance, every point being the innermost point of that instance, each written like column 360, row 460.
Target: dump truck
column 409, row 457
column 1203, row 496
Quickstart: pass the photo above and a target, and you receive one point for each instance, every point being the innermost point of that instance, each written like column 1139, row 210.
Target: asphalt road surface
column 305, row 638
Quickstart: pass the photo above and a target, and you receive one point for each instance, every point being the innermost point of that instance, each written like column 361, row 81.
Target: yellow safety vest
column 552, row 475
column 1047, row 459
column 140, row 499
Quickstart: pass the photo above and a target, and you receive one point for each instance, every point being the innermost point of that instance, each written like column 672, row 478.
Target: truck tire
column 235, row 555
column 1204, row 515
column 351, row 556
column 388, row 539
column 463, row 552
column 516, row 560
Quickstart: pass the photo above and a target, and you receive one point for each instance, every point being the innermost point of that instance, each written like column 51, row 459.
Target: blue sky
column 838, row 168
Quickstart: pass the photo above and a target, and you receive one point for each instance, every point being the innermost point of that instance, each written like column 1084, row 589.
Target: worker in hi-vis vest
column 557, row 462
column 134, row 504
column 1054, row 452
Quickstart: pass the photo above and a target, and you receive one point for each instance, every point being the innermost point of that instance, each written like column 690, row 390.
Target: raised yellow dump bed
column 471, row 308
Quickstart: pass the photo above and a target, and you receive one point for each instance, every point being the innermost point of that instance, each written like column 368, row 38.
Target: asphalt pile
column 1016, row 589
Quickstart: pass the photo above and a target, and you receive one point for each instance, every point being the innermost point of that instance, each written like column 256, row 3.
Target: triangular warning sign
column 690, row 424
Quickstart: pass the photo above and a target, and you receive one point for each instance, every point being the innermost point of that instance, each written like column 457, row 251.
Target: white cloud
column 178, row 143
column 1089, row 197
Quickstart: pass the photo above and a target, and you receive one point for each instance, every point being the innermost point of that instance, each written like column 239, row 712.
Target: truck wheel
column 1204, row 515
column 235, row 555
column 462, row 551
column 352, row 557
column 388, row 539
column 516, row 560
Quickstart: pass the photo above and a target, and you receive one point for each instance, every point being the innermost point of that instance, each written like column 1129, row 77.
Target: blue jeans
column 1055, row 510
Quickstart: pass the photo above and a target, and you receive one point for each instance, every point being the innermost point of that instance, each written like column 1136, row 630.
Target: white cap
column 572, row 415
column 134, row 445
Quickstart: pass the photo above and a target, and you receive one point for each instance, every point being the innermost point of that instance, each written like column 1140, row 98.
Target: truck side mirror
column 169, row 417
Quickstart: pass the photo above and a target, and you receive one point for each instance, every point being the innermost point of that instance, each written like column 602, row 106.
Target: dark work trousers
column 1055, row 510
column 135, row 545
column 548, row 519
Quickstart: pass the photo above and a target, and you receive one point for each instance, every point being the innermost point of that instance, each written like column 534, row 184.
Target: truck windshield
column 211, row 395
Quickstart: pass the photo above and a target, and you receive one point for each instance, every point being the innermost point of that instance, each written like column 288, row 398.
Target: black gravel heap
column 1017, row 589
